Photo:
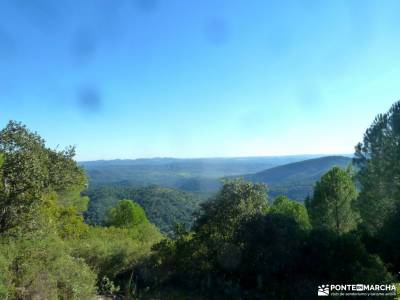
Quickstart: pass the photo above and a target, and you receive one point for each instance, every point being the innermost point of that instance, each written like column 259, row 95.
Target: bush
column 40, row 266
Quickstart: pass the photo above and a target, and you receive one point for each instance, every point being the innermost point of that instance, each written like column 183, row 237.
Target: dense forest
column 240, row 244
column 164, row 207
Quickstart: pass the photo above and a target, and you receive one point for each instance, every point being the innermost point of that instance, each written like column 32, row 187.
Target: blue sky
column 146, row 78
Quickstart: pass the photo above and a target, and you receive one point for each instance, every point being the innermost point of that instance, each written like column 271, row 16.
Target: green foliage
column 34, row 267
column 24, row 175
column 163, row 206
column 29, row 171
column 346, row 258
column 46, row 249
column 332, row 204
column 107, row 287
column 259, row 255
column 73, row 198
column 6, row 287
column 217, row 220
column 270, row 252
column 237, row 200
column 126, row 214
column 296, row 180
column 200, row 257
column 397, row 285
column 378, row 160
column 297, row 211
column 69, row 223
column 385, row 242
column 114, row 251
column 40, row 205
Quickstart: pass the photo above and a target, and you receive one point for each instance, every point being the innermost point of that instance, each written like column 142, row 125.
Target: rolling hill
column 170, row 190
column 192, row 175
column 296, row 180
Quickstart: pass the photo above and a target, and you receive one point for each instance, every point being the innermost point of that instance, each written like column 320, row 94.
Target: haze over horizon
column 307, row 156
column 156, row 78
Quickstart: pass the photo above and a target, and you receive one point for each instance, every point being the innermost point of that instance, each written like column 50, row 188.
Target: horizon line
column 218, row 157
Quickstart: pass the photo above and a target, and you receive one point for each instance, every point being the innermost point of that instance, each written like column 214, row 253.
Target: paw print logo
column 323, row 290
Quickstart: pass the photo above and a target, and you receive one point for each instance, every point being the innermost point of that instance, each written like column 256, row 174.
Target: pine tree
column 378, row 161
column 332, row 204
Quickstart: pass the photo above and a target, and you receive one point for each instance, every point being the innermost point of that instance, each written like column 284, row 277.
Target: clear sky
column 185, row 78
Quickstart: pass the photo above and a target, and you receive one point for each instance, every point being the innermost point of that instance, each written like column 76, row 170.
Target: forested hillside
column 191, row 175
column 204, row 176
column 163, row 206
column 166, row 206
column 296, row 180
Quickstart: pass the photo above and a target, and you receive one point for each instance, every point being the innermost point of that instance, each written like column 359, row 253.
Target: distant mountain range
column 124, row 169
column 293, row 176
column 197, row 175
